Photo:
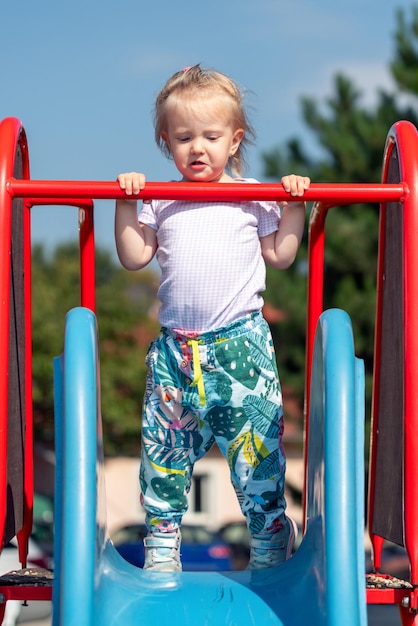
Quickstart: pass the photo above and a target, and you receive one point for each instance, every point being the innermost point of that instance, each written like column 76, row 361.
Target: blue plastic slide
column 322, row 584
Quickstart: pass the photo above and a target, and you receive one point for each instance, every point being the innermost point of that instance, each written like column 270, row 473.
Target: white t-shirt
column 212, row 270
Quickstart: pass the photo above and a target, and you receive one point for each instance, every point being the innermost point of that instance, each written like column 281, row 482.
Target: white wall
column 219, row 503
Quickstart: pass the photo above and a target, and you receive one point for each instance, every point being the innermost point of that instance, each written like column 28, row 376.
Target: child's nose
column 197, row 146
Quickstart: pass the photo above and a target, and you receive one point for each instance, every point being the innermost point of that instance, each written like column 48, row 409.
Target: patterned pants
column 218, row 386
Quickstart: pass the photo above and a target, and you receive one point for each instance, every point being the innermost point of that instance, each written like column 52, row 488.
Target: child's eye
column 213, row 137
column 183, row 139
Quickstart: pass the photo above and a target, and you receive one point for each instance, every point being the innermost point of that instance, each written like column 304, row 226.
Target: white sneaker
column 268, row 550
column 162, row 552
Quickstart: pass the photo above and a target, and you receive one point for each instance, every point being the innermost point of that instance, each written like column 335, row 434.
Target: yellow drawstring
column 198, row 378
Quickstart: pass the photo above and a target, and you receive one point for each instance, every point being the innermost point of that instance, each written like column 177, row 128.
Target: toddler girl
column 212, row 370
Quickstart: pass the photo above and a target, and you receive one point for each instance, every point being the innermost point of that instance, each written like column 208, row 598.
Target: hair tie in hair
column 186, row 69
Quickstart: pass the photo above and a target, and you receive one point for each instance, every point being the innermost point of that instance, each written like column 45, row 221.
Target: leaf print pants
column 218, row 386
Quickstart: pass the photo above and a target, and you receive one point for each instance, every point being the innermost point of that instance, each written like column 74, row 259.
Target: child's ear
column 236, row 140
column 164, row 137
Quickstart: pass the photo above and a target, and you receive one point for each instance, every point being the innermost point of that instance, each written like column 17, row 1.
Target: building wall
column 212, row 500
column 211, row 492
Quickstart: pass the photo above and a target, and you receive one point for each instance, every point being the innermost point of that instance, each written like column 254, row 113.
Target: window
column 198, row 494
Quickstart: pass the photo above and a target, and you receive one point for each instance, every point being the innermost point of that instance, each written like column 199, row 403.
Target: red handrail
column 330, row 193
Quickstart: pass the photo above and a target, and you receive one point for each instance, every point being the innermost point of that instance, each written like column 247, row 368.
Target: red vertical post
column 406, row 137
column 376, row 540
column 87, row 257
column 28, row 486
column 315, row 290
column 11, row 133
column 315, row 305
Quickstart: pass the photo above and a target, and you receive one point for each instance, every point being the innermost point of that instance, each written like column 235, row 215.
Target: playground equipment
column 324, row 582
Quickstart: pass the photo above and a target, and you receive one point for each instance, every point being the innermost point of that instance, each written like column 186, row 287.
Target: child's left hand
column 295, row 185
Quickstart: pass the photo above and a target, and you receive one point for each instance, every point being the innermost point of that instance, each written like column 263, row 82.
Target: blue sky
column 82, row 76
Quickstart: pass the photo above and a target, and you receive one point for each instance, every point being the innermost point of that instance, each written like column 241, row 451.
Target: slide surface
column 321, row 585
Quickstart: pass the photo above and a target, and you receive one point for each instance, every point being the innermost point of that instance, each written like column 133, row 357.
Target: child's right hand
column 131, row 182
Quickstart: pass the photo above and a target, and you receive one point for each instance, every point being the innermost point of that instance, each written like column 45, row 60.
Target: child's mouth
column 197, row 165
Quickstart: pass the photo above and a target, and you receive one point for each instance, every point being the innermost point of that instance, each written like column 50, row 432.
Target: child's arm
column 279, row 249
column 136, row 243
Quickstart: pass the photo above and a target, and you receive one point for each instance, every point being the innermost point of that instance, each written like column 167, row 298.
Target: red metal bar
column 314, row 308
column 11, row 133
column 376, row 540
column 315, row 289
column 387, row 596
column 330, row 193
column 28, row 471
column 26, row 592
column 63, row 201
column 407, row 618
column 23, row 593
column 406, row 138
column 87, row 259
column 12, row 136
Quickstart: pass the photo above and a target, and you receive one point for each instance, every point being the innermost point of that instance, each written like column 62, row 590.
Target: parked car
column 394, row 559
column 201, row 549
column 236, row 536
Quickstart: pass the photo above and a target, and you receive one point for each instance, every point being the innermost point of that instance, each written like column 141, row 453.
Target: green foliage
column 405, row 64
column 351, row 139
column 124, row 303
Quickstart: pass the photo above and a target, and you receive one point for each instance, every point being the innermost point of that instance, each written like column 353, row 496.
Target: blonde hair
column 196, row 80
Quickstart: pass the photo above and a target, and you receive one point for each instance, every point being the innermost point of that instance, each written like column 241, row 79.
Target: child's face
column 201, row 137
